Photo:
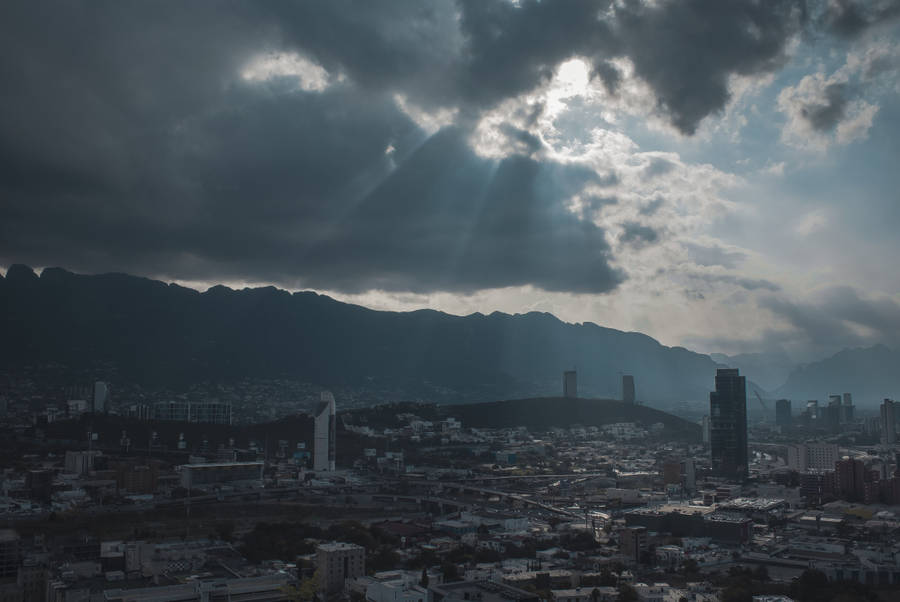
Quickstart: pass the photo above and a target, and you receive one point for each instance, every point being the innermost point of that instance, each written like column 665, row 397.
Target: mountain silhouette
column 161, row 334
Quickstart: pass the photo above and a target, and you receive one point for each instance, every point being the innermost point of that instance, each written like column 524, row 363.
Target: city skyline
column 475, row 156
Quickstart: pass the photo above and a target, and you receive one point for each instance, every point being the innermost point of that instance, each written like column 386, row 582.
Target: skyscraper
column 728, row 425
column 847, row 414
column 570, row 384
column 101, row 397
column 628, row 388
column 888, row 422
column 323, row 458
column 783, row 415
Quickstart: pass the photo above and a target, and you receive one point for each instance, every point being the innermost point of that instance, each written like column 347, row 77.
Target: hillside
column 162, row 334
column 541, row 413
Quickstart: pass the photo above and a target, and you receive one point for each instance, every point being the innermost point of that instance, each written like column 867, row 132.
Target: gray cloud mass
column 825, row 116
column 850, row 18
column 130, row 141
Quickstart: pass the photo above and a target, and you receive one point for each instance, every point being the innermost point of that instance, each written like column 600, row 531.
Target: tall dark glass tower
column 728, row 425
column 783, row 415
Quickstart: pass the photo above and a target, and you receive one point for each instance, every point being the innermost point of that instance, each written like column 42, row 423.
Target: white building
column 812, row 456
column 396, row 586
column 324, row 449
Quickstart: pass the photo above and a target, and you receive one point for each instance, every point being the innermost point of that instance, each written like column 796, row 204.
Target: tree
column 690, row 568
column 450, row 572
column 308, row 591
column 627, row 593
column 810, row 585
column 761, row 573
column 424, row 580
column 225, row 530
column 607, row 578
column 735, row 593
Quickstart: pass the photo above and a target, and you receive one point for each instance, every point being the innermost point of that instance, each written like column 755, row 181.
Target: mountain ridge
column 157, row 332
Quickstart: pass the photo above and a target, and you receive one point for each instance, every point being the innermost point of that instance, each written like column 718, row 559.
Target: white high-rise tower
column 324, row 449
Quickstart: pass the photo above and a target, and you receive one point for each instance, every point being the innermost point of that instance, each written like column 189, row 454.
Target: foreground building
column 728, row 425
column 337, row 562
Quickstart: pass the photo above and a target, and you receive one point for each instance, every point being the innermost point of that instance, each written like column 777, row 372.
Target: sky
column 720, row 175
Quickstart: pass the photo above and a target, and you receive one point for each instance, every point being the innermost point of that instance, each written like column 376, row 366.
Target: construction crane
column 761, row 402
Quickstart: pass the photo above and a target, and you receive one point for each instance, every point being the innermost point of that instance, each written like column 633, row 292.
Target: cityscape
column 185, row 499
column 449, row 301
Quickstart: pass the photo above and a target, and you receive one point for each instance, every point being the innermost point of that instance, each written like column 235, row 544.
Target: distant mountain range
column 163, row 334
column 159, row 334
column 870, row 374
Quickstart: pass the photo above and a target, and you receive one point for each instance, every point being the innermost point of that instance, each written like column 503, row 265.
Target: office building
column 101, row 397
column 671, row 472
column 728, row 425
column 337, row 562
column 783, row 416
column 812, row 456
column 628, row 388
column 633, row 543
column 847, row 414
column 688, row 474
column 888, row 422
column 831, row 414
column 324, row 449
column 39, row 484
column 854, row 482
column 704, row 429
column 9, row 553
column 812, row 409
column 570, row 384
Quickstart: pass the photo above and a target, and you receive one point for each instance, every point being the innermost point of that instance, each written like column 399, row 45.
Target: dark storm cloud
column 841, row 317
column 823, row 117
column 817, row 326
column 638, row 235
column 129, row 141
column 850, row 18
column 687, row 50
column 512, row 48
column 684, row 50
column 609, row 74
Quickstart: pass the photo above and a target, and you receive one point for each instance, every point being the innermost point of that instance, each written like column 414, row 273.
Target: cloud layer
column 427, row 149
